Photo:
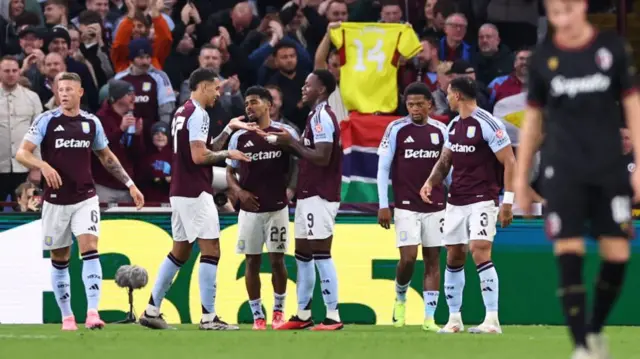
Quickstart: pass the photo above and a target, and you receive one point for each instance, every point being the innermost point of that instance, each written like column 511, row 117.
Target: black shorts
column 577, row 207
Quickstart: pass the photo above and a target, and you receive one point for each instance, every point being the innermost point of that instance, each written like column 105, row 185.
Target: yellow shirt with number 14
column 369, row 54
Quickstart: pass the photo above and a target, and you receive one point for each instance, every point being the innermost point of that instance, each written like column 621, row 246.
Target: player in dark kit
column 318, row 195
column 264, row 214
column 67, row 136
column 194, row 214
column 582, row 80
column 409, row 150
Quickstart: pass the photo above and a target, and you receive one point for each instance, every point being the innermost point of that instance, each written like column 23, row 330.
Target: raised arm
column 198, row 133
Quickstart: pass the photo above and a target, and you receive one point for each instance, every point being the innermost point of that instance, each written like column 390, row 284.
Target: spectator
column 136, row 25
column 514, row 83
column 230, row 100
column 118, row 121
column 10, row 10
column 42, row 79
column 422, row 68
column 154, row 170
column 330, row 60
column 56, row 13
column 31, row 42
column 436, row 12
column 440, row 94
column 155, row 98
column 493, row 59
column 452, row 46
column 462, row 68
column 234, row 59
column 92, row 45
column 337, row 11
column 237, row 21
column 76, row 54
column 391, row 13
column 54, row 102
column 107, row 18
column 517, row 21
column 59, row 41
column 303, row 24
column 276, row 115
column 182, row 61
column 290, row 79
column 28, row 196
column 20, row 107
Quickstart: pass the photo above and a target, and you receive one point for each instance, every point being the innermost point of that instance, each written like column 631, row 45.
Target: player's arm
column 442, row 168
column 235, row 124
column 111, row 163
column 198, row 127
column 26, row 153
column 322, row 129
column 247, row 199
column 386, row 151
column 500, row 144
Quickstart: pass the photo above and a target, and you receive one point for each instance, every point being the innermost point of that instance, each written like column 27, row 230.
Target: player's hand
column 137, row 196
column 506, row 215
column 334, row 25
column 51, row 176
column 635, row 183
column 282, row 138
column 248, row 200
column 524, row 195
column 238, row 124
column 291, row 192
column 238, row 156
column 384, row 217
column 425, row 192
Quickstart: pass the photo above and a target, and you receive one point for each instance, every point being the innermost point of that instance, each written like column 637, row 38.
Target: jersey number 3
column 373, row 55
column 178, row 124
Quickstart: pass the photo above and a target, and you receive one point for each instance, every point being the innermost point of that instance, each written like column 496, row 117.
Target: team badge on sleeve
column 318, row 127
column 85, row 127
column 500, row 134
column 471, row 131
column 435, row 139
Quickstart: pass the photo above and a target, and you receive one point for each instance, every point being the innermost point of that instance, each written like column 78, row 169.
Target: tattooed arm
column 201, row 155
column 111, row 163
column 219, row 141
column 442, row 167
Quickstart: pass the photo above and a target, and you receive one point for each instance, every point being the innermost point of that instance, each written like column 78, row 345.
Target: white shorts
column 193, row 218
column 315, row 218
column 257, row 229
column 59, row 221
column 415, row 228
column 476, row 221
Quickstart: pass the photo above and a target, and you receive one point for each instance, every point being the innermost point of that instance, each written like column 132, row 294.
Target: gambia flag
column 361, row 136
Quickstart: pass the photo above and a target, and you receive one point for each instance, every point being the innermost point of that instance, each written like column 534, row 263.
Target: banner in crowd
column 365, row 256
column 361, row 136
column 511, row 111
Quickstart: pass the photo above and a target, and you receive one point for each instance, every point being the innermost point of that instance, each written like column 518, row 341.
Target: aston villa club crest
column 85, row 127
column 435, row 139
column 604, row 59
column 146, row 86
column 471, row 131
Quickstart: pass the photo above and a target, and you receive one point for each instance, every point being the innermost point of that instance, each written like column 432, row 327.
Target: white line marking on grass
column 27, row 336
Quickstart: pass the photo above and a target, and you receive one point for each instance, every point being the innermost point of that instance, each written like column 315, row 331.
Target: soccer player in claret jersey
column 262, row 192
column 477, row 145
column 67, row 136
column 318, row 192
column 194, row 214
column 582, row 80
column 409, row 150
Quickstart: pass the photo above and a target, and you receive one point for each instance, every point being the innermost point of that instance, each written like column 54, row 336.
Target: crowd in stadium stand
column 135, row 56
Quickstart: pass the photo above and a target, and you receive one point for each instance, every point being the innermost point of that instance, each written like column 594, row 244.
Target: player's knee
column 432, row 267
column 407, row 261
column 277, row 263
column 456, row 255
column 253, row 263
column 616, row 250
column 61, row 254
column 87, row 243
column 569, row 246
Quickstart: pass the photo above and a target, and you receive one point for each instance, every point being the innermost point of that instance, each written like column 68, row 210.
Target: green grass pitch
column 355, row 341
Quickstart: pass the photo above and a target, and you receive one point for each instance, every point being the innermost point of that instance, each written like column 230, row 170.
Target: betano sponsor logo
column 264, row 155
column 71, row 143
column 456, row 147
column 409, row 153
column 142, row 99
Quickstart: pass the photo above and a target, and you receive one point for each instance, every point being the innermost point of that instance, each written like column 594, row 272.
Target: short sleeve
column 197, row 124
column 625, row 69
column 537, row 87
column 447, row 132
column 293, row 132
column 494, row 133
column 322, row 127
column 100, row 141
column 38, row 129
column 337, row 36
column 409, row 45
column 233, row 145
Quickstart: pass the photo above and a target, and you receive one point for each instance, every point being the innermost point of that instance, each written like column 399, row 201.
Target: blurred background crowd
column 135, row 56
